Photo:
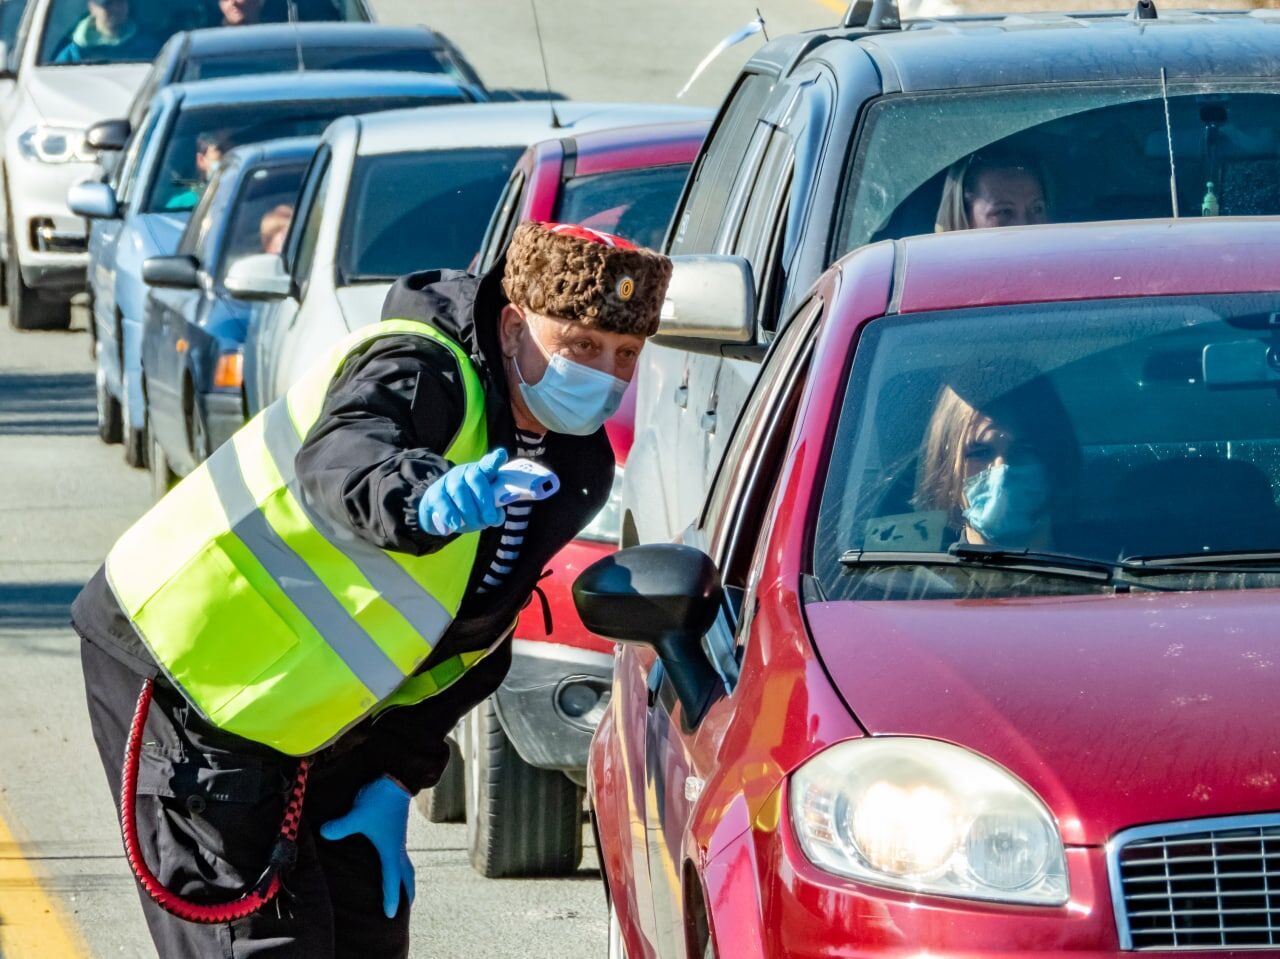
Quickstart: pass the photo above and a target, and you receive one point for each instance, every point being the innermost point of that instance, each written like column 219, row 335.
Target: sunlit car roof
column 501, row 124
column 1085, row 261
column 329, row 84
column 286, row 150
column 275, row 36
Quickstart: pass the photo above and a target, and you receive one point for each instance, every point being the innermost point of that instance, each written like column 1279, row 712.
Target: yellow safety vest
column 277, row 624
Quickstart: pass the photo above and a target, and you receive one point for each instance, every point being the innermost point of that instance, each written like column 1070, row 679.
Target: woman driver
column 1000, row 470
column 991, row 189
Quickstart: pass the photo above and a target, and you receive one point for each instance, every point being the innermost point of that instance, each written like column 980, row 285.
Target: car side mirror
column 108, row 135
column 171, row 272
column 661, row 595
column 710, row 304
column 258, row 277
column 93, row 200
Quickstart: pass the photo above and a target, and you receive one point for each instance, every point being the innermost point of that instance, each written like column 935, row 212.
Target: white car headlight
column 47, row 143
column 929, row 817
column 606, row 526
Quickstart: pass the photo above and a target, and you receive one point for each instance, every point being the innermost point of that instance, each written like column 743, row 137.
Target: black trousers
column 209, row 808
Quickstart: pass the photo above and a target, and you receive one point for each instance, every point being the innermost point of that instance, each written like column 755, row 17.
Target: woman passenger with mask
column 1002, row 470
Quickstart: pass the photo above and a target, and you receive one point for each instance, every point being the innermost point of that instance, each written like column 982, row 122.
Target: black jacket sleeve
column 379, row 442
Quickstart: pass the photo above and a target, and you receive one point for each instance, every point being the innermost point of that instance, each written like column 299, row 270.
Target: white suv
column 67, row 78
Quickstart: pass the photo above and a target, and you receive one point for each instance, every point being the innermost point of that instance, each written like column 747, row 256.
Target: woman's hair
column 957, row 190
column 1033, row 409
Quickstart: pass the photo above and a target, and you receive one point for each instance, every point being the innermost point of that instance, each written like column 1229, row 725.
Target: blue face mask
column 571, row 398
column 1007, row 502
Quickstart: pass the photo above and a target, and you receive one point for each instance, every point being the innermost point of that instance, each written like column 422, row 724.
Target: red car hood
column 1117, row 710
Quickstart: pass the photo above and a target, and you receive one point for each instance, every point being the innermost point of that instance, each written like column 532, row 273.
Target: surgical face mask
column 1007, row 502
column 570, row 398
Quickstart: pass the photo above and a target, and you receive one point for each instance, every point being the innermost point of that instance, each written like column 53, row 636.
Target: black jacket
column 391, row 412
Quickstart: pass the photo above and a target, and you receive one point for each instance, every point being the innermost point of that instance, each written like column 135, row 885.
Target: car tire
column 135, row 441
column 27, row 311
column 521, row 820
column 110, row 419
column 163, row 478
column 446, row 801
column 198, row 434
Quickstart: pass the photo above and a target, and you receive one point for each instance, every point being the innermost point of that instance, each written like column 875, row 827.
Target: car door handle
column 682, row 396
column 709, row 421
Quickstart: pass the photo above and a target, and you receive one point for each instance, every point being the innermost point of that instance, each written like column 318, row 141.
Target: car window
column 26, row 22
column 634, row 204
column 1060, row 153
column 260, row 214
column 405, row 59
column 747, row 472
column 202, row 220
column 128, row 170
column 410, row 211
column 1110, row 429
column 10, row 17
column 708, row 195
column 201, row 135
column 308, row 237
column 502, row 224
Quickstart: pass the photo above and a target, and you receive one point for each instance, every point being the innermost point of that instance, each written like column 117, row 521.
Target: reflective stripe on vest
column 277, row 624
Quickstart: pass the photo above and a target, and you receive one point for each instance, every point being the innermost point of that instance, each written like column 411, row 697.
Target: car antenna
column 873, row 15
column 546, row 73
column 1168, row 133
column 292, row 7
column 749, row 30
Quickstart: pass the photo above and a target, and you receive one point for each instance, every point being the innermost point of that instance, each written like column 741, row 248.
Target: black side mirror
column 109, row 135
column 664, row 596
column 171, row 272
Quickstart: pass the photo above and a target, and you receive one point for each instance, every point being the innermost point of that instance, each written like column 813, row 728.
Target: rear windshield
column 1109, row 430
column 419, row 211
column 201, row 135
column 407, row 59
column 635, row 204
column 133, row 31
column 1065, row 153
column 261, row 214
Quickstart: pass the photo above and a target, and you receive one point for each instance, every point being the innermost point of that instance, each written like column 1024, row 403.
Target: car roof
column 1084, row 261
column 948, row 53
column 501, row 124
column 654, row 144
column 283, row 151
column 317, row 85
column 213, row 41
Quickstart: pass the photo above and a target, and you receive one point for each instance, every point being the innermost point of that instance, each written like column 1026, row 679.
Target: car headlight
column 929, row 817
column 47, row 143
column 606, row 526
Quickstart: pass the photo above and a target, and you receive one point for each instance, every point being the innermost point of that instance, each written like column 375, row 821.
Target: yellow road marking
column 32, row 924
column 835, row 5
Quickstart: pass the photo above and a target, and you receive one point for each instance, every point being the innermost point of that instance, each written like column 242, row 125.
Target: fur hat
column 575, row 273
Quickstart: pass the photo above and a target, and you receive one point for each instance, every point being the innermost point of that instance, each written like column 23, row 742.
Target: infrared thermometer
column 523, row 480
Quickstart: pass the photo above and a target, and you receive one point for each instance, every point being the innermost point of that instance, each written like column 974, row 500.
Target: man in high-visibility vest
column 274, row 654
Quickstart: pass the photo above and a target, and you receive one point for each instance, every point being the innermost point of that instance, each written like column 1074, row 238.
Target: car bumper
column 551, row 701
column 224, row 414
column 811, row 913
column 52, row 242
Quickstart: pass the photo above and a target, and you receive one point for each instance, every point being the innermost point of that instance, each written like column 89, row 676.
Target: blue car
column 194, row 332
column 144, row 210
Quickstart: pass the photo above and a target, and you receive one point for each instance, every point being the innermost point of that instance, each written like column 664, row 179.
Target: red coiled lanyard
column 283, row 853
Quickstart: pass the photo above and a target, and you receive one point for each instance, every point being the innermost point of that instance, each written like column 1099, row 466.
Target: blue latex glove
column 380, row 813
column 462, row 500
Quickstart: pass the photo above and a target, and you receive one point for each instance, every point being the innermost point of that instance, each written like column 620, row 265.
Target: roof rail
column 873, row 15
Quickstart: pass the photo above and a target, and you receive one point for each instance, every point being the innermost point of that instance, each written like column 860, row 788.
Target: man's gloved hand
column 380, row 813
column 462, row 500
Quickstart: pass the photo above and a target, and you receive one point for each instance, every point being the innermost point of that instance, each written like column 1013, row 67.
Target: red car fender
column 731, row 888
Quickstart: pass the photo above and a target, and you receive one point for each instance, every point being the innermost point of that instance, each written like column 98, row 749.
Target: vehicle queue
column 854, row 455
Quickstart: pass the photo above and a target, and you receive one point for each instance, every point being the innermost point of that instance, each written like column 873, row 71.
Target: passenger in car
column 273, row 227
column 107, row 32
column 210, row 146
column 992, row 189
column 1002, row 470
column 240, row 13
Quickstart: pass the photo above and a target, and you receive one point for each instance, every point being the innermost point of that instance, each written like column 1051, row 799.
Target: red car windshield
column 634, row 204
column 1109, row 430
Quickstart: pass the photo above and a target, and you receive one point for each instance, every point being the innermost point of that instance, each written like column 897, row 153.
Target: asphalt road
column 65, row 890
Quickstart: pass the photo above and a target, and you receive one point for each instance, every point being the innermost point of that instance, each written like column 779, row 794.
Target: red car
column 521, row 756
column 973, row 650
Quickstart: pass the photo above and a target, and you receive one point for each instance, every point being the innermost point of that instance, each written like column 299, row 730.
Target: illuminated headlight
column 929, row 817
column 54, row 144
column 606, row 527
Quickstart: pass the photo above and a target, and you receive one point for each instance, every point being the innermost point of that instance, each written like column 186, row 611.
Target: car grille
column 1198, row 885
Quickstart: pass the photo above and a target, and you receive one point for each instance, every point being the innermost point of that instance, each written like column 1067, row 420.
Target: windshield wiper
column 1223, row 561
column 974, row 554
